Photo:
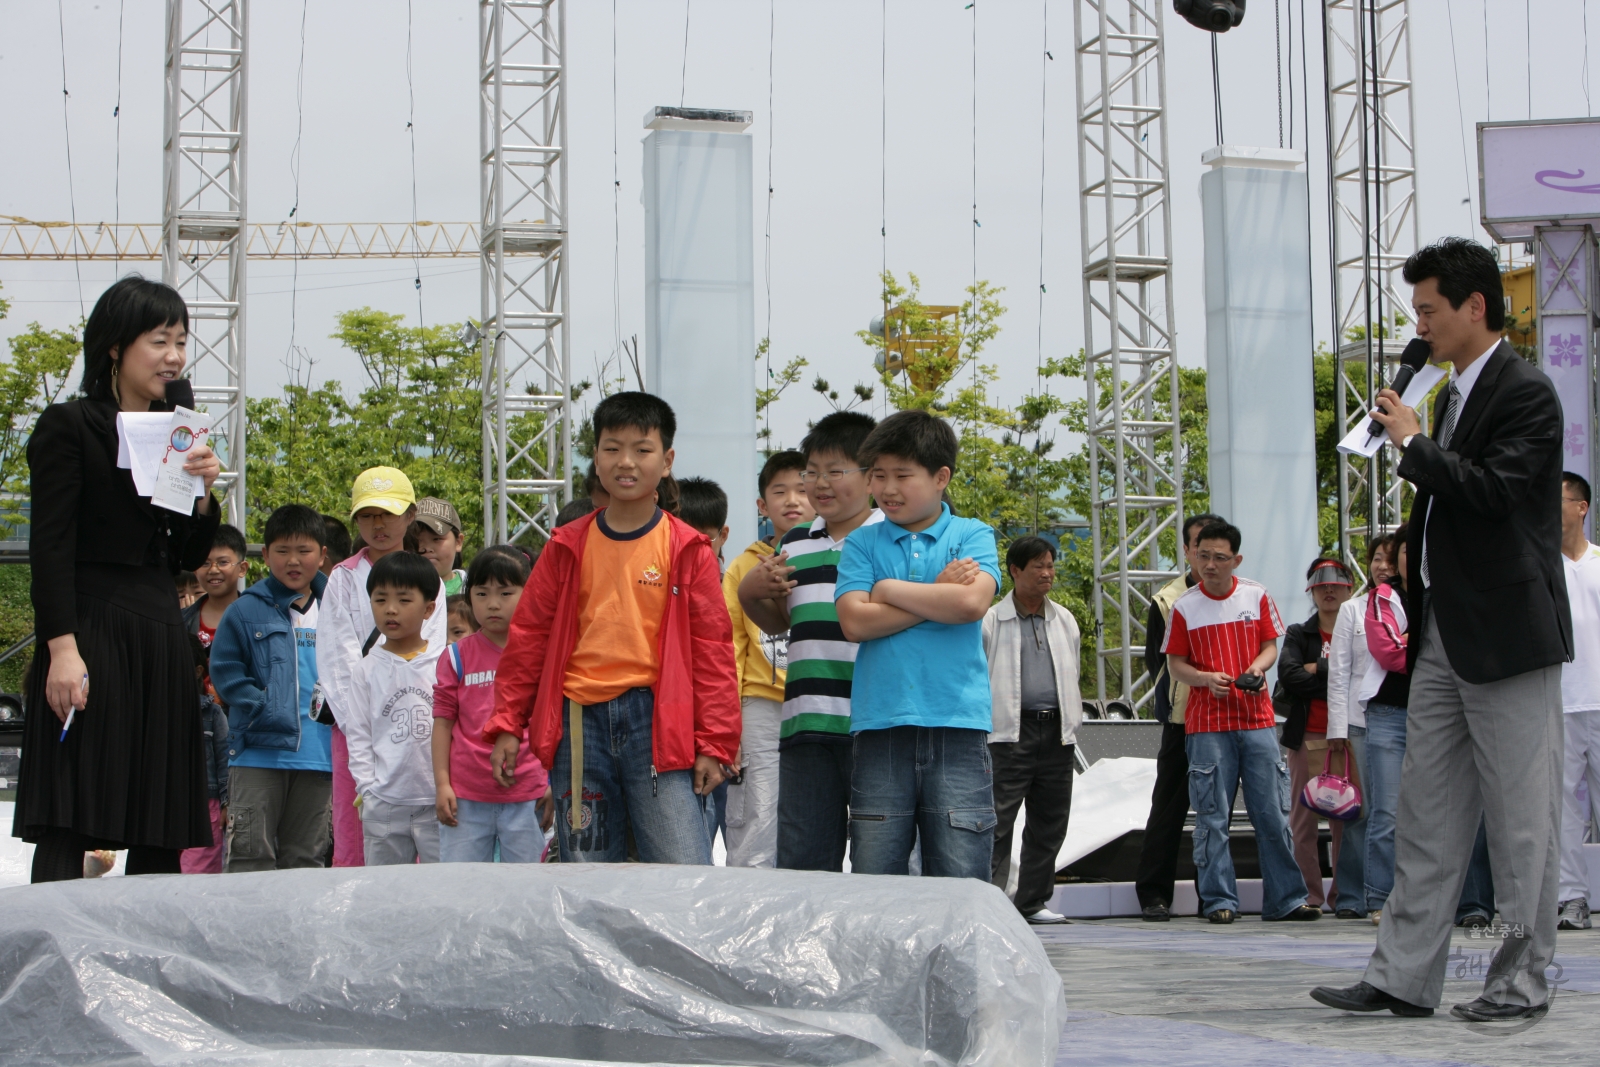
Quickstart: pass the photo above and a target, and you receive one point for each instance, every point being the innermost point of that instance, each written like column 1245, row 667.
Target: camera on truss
column 1215, row 16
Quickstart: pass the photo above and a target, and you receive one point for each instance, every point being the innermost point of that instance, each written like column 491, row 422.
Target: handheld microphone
column 180, row 393
column 1413, row 359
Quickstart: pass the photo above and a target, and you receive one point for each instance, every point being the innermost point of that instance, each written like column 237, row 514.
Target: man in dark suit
column 1486, row 601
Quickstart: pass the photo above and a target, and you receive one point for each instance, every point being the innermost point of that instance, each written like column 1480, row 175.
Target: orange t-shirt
column 622, row 598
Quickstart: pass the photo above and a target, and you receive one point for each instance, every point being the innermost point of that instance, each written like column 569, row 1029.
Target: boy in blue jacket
column 264, row 667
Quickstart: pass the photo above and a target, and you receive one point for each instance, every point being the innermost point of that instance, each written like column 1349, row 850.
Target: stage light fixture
column 1214, row 16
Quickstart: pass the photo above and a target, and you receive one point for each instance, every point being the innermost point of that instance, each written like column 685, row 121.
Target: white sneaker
column 1574, row 915
column 1377, row 916
column 1045, row 917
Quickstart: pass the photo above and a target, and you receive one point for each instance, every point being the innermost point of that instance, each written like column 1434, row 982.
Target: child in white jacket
column 383, row 504
column 389, row 724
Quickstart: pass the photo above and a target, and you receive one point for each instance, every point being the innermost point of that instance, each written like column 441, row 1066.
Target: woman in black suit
column 129, row 773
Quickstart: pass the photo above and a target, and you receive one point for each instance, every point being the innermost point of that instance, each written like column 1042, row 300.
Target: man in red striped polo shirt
column 1222, row 638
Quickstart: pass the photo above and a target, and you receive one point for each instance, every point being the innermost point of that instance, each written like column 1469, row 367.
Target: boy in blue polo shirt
column 913, row 591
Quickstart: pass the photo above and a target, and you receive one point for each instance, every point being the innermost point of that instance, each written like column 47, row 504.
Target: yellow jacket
column 760, row 658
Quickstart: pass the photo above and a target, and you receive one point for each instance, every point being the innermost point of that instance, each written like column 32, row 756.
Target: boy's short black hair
column 922, row 437
column 1024, row 550
column 295, row 520
column 641, row 411
column 230, row 538
column 184, row 579
column 1221, row 531
column 787, row 460
column 404, row 570
column 506, row 564
column 1578, row 483
column 574, row 511
column 457, row 602
column 841, row 432
column 1202, row 520
column 591, row 482
column 1461, row 267
column 702, row 504
column 337, row 540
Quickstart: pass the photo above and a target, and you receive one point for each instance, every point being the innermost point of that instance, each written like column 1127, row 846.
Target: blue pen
column 74, row 711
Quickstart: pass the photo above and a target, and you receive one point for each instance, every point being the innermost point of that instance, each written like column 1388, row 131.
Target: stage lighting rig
column 1214, row 16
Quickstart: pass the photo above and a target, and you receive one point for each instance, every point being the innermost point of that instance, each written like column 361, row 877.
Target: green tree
column 34, row 377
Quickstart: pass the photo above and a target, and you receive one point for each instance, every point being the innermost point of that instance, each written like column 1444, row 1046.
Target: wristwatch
column 1405, row 442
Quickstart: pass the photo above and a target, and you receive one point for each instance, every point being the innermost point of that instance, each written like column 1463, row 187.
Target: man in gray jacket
column 1032, row 646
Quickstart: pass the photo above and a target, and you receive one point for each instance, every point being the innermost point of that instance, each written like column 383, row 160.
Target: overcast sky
column 824, row 132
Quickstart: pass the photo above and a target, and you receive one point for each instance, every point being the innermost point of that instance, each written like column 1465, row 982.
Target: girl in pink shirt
column 475, row 813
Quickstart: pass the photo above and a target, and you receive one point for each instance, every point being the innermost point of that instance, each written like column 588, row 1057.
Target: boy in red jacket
column 621, row 648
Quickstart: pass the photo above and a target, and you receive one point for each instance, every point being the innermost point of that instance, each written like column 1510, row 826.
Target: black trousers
column 1163, row 832
column 1036, row 768
column 814, row 804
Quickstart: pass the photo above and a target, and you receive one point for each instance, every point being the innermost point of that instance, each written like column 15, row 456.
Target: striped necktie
column 1447, row 427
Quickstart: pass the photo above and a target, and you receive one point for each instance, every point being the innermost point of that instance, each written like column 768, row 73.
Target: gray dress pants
column 1492, row 751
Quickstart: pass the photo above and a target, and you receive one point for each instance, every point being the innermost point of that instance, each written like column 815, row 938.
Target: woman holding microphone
column 128, row 772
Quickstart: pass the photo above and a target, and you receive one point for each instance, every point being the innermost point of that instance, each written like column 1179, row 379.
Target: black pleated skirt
column 131, row 771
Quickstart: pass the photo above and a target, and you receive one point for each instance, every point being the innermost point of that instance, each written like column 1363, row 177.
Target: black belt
column 1045, row 713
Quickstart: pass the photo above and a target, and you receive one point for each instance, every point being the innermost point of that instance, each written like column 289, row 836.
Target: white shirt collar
column 1464, row 380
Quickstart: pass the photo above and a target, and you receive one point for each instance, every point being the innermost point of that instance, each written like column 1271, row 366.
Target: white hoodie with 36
column 389, row 727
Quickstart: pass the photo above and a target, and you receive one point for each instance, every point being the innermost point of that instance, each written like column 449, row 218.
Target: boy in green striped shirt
column 793, row 591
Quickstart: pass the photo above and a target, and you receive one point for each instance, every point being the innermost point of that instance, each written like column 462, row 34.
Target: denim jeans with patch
column 622, row 790
column 933, row 780
column 1218, row 763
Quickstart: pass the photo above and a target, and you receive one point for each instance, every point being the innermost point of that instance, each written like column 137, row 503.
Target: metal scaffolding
column 203, row 212
column 1372, row 174
column 527, row 399
column 22, row 238
column 1135, row 455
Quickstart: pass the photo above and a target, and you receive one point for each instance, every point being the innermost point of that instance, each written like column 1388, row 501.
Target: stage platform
column 1189, row 993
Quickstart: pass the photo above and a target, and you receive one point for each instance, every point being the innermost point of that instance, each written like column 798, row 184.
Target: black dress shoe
column 1475, row 921
column 1365, row 997
column 1349, row 913
column 1484, row 1011
column 1305, row 913
column 1222, row 916
column 1156, row 913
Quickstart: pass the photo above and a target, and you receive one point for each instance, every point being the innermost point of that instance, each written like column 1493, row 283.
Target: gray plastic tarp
column 491, row 963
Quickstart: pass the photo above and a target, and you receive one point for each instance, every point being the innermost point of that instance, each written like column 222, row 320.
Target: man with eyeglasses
column 1580, row 699
column 1032, row 648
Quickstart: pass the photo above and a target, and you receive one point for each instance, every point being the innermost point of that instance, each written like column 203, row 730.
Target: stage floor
column 1186, row 992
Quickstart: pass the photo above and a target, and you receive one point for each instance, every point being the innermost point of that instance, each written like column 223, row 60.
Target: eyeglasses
column 1573, row 500
column 807, row 477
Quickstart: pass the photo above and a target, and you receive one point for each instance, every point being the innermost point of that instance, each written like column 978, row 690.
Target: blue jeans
column 1350, row 873
column 481, row 825
column 1386, row 751
column 1477, row 889
column 1218, row 763
column 813, row 804
column 623, row 791
column 932, row 780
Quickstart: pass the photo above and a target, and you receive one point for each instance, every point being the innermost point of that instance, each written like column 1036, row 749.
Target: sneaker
column 1574, row 915
column 1376, row 916
column 1045, row 917
column 1221, row 916
column 1305, row 913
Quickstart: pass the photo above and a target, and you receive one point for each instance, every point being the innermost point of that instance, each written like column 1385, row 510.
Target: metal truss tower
column 527, row 399
column 1135, row 455
column 203, row 218
column 1372, row 172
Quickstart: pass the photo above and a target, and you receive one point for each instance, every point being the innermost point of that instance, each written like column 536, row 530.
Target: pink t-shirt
column 468, row 700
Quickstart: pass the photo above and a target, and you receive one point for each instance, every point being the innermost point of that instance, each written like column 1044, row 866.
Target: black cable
column 1277, row 40
column 683, row 75
column 616, row 206
column 66, row 126
column 411, row 128
column 1455, row 63
column 1588, row 109
column 771, row 38
column 1044, row 131
column 1527, row 50
column 290, row 359
column 1216, row 89
column 1488, row 89
column 1291, row 80
column 116, row 114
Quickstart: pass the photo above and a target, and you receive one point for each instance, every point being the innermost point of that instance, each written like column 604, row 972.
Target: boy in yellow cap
column 383, row 505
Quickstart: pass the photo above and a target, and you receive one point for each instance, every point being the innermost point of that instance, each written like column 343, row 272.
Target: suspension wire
column 116, row 114
column 291, row 358
column 66, row 126
column 1305, row 127
column 683, row 75
column 1216, row 89
column 411, row 130
column 1527, row 51
column 771, row 37
column 976, row 225
column 1488, row 88
column 1044, row 131
column 1588, row 109
column 1375, row 221
column 1333, row 211
column 1455, row 63
column 883, row 170
column 1277, row 40
column 1290, row 35
column 616, row 206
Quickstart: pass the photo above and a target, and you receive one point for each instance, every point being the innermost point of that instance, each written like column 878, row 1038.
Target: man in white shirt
column 1032, row 647
column 1580, row 699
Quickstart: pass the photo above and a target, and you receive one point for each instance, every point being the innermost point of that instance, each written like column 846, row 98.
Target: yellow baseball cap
column 382, row 487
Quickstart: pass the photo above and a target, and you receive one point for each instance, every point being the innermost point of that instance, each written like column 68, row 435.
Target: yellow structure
column 905, row 350
column 1521, row 306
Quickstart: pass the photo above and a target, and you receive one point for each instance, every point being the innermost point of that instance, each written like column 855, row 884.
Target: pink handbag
column 1332, row 795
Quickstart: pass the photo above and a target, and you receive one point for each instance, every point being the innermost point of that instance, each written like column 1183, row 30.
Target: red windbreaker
column 697, row 693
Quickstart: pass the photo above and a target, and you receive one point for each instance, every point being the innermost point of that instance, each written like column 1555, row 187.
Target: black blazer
column 1499, row 593
column 85, row 510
